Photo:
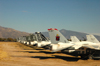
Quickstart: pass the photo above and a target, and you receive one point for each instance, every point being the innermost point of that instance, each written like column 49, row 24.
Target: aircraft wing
column 77, row 46
column 61, row 47
column 96, row 47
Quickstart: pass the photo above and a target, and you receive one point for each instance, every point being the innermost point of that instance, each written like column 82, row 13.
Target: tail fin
column 91, row 38
column 74, row 39
column 88, row 38
column 56, row 36
column 40, row 36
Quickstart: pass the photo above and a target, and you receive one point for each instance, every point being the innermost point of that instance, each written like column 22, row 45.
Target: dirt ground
column 17, row 54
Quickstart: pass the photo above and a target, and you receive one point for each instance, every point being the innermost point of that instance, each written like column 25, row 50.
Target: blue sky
column 39, row 15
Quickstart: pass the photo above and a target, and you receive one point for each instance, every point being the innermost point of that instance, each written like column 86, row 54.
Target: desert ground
column 17, row 54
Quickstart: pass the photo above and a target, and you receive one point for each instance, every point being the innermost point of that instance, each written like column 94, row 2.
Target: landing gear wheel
column 90, row 56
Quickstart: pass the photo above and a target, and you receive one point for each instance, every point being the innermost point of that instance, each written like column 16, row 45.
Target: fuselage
column 43, row 43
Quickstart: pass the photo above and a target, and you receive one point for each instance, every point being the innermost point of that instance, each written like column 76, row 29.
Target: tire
column 90, row 57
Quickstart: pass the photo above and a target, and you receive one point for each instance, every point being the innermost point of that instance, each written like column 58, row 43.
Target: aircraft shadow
column 28, row 51
column 47, row 52
column 39, row 49
column 66, row 58
column 36, row 52
column 31, row 47
column 34, row 48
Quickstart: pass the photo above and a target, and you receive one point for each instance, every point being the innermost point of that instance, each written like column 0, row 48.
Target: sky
column 40, row 15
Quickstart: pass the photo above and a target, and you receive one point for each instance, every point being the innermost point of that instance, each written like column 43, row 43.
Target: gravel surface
column 17, row 54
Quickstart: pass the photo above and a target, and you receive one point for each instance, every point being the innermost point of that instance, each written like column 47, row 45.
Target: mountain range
column 12, row 33
column 68, row 33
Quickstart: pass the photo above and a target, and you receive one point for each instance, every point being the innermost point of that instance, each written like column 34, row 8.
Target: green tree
column 10, row 39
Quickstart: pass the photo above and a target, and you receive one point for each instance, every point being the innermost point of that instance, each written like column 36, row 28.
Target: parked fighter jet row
column 37, row 39
column 86, row 49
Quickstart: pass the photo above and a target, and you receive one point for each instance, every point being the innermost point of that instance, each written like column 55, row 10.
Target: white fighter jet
column 33, row 40
column 42, row 41
column 58, row 41
column 85, row 49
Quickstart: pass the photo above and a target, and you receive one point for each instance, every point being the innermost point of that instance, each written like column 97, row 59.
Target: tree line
column 8, row 39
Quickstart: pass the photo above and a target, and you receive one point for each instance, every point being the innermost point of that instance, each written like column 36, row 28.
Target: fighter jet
column 42, row 41
column 27, row 40
column 21, row 39
column 24, row 40
column 83, row 49
column 18, row 39
column 33, row 39
column 58, row 41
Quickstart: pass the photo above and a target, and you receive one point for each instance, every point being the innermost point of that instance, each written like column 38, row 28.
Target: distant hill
column 68, row 33
column 11, row 33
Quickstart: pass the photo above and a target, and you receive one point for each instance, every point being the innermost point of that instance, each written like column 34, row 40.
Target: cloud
column 24, row 11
